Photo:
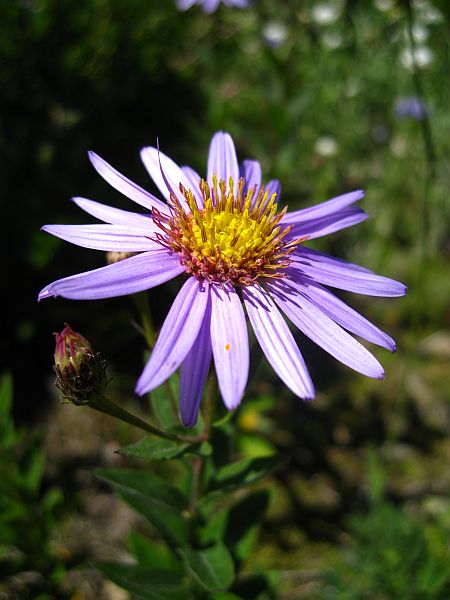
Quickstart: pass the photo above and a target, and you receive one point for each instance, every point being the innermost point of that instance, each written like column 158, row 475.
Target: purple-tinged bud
column 80, row 372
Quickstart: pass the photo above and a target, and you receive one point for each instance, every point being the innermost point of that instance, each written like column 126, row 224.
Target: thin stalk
column 198, row 461
column 141, row 303
column 108, row 407
column 143, row 308
column 105, row 405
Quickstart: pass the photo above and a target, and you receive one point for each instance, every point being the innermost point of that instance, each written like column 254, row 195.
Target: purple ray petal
column 124, row 185
column 194, row 371
column 115, row 216
column 222, row 160
column 277, row 342
column 128, row 276
column 342, row 314
column 229, row 340
column 324, row 331
column 185, row 4
column 154, row 162
column 315, row 228
column 116, row 238
column 346, row 277
column 194, row 180
column 304, row 253
column 210, row 6
column 177, row 335
column 273, row 187
column 324, row 208
column 250, row 170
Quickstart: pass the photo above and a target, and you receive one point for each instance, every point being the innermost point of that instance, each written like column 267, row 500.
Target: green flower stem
column 198, row 462
column 105, row 405
column 210, row 393
column 142, row 306
column 141, row 303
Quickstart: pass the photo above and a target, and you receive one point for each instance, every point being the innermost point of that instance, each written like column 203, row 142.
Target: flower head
column 80, row 372
column 210, row 6
column 239, row 250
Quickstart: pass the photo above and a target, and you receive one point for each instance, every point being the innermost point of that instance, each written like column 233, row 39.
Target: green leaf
column 213, row 530
column 172, row 526
column 151, row 449
column 147, row 484
column 160, row 503
column 34, row 472
column 213, row 566
column 237, row 526
column 245, row 472
column 243, row 520
column 51, row 500
column 155, row 449
column 150, row 584
column 151, row 554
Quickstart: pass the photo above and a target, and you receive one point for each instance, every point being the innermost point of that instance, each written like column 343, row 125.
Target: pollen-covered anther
column 231, row 238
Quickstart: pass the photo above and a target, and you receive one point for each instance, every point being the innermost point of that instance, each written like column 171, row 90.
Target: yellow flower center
column 231, row 238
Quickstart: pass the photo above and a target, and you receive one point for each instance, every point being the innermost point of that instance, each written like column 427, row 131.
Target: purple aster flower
column 241, row 254
column 210, row 6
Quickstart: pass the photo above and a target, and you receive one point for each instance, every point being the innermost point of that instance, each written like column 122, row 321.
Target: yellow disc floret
column 230, row 238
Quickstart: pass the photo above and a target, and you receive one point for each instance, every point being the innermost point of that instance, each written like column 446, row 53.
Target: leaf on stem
column 150, row 449
column 159, row 502
column 213, row 566
column 142, row 582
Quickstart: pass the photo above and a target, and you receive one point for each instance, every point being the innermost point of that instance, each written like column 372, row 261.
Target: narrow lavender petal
column 222, row 160
column 116, row 238
column 128, row 276
column 194, row 180
column 346, row 277
column 124, row 185
column 210, row 6
column 324, row 208
column 178, row 333
column 324, row 331
column 229, row 339
column 155, row 162
column 250, row 170
column 115, row 216
column 273, row 187
column 277, row 342
column 303, row 253
column 185, row 4
column 238, row 3
column 329, row 224
column 342, row 314
column 194, row 371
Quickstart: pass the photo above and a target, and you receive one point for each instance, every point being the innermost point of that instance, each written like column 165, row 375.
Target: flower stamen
column 232, row 238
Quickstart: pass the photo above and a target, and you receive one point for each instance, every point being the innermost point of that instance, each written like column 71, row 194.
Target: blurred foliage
column 31, row 564
column 309, row 88
column 393, row 553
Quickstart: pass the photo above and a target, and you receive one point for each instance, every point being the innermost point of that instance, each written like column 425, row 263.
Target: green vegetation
column 358, row 507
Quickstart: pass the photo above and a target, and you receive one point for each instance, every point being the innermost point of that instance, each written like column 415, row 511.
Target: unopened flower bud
column 80, row 372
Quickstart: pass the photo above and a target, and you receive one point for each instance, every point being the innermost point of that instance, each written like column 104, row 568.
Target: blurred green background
column 325, row 95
